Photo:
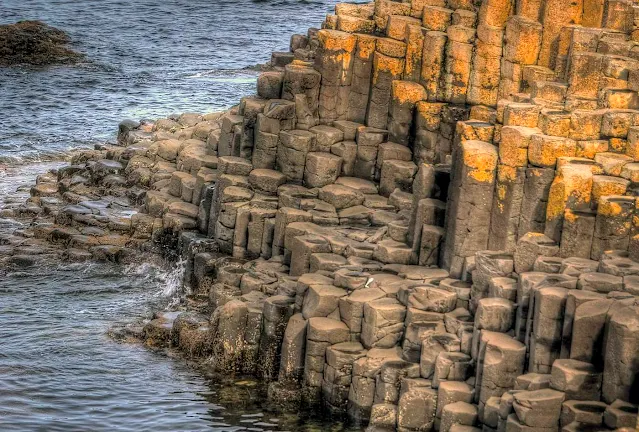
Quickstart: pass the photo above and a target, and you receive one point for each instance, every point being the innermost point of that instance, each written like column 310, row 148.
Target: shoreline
column 384, row 234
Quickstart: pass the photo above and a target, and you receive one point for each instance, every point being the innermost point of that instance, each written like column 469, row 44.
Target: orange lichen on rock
column 506, row 173
column 359, row 10
column 383, row 63
column 608, row 185
column 391, row 48
column 513, row 147
column 545, row 149
column 396, row 27
column 570, row 216
column 407, row 92
column 366, row 45
column 414, row 52
column 590, row 148
column 335, row 40
column 353, row 24
column 571, row 188
column 610, row 206
column 480, row 159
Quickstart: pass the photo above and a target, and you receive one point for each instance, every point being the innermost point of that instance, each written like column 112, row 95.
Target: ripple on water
column 58, row 369
column 148, row 59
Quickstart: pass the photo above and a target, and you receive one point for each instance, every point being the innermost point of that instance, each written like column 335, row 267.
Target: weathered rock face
column 426, row 219
column 35, row 43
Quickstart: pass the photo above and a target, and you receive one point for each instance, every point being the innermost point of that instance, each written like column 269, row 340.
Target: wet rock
column 44, row 190
column 158, row 332
column 338, row 373
column 276, row 313
column 336, row 233
column 105, row 167
column 191, row 334
column 35, row 43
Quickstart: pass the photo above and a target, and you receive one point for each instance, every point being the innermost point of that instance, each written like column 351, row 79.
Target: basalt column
column 469, row 203
column 334, row 61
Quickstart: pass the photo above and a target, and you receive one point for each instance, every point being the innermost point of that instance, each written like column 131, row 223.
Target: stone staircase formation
column 426, row 218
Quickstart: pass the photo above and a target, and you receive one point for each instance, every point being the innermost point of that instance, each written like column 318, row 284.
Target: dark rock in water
column 125, row 127
column 260, row 67
column 35, row 43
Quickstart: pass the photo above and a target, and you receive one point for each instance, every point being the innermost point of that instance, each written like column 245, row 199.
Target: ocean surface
column 145, row 59
column 59, row 370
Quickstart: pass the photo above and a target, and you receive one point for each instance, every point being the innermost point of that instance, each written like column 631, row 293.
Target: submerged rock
column 35, row 43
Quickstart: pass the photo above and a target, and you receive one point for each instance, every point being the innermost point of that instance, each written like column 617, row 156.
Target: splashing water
column 166, row 57
column 168, row 276
column 174, row 280
column 60, row 371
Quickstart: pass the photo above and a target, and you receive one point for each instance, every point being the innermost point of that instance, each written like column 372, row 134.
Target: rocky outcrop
column 35, row 43
column 425, row 219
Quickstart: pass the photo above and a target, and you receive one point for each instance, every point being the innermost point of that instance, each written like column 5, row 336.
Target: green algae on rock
column 35, row 43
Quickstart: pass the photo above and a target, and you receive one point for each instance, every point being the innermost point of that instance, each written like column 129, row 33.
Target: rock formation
column 425, row 219
column 35, row 43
